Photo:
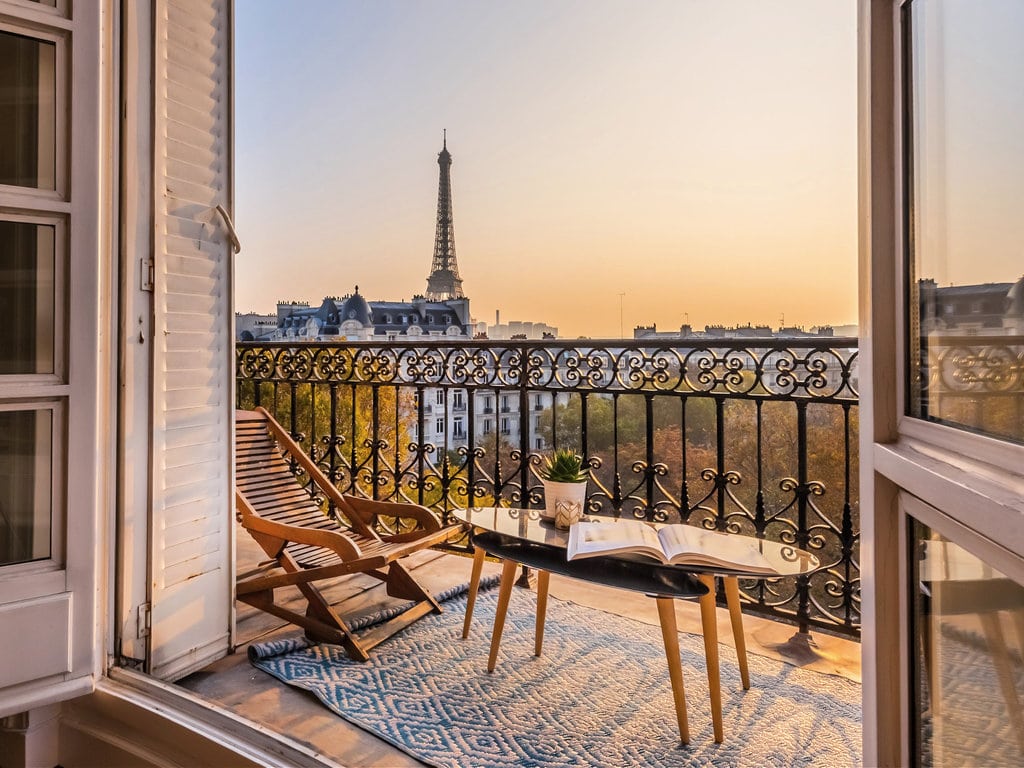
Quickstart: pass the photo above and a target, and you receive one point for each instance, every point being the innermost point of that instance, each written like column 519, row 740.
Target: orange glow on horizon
column 698, row 157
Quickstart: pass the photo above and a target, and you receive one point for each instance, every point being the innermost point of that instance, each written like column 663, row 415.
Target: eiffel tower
column 444, row 282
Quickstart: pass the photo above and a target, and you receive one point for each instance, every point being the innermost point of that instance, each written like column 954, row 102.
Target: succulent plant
column 564, row 466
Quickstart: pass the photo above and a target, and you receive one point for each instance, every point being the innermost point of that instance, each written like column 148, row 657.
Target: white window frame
column 18, row 385
column 52, row 200
column 11, row 574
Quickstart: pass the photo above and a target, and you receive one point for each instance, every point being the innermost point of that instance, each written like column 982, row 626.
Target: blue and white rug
column 599, row 696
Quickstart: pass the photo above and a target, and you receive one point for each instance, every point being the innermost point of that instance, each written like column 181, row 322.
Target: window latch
column 147, row 274
column 145, row 619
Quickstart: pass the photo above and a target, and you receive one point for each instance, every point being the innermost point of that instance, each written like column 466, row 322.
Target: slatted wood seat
column 307, row 546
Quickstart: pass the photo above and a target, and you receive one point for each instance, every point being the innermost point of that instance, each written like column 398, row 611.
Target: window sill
column 159, row 703
column 987, row 498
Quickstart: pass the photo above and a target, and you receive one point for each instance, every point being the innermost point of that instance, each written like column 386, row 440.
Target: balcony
column 758, row 438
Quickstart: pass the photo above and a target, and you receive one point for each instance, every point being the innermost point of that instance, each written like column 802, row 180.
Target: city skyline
column 629, row 175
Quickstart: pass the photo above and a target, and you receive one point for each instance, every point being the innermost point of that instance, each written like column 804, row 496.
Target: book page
column 605, row 538
column 696, row 546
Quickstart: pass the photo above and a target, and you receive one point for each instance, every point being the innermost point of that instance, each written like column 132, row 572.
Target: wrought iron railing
column 751, row 436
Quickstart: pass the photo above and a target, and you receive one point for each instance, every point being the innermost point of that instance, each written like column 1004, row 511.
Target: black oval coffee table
column 523, row 536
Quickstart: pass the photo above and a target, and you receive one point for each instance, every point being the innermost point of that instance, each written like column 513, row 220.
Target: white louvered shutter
column 192, row 564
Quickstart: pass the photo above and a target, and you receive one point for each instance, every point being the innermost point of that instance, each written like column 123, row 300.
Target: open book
column 675, row 544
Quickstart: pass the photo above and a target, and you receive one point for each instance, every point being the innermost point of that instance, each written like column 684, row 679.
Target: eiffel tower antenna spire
column 444, row 282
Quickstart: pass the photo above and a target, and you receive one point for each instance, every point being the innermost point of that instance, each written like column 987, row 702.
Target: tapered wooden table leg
column 670, row 636
column 542, row 609
column 732, row 599
column 508, row 574
column 474, row 587
column 709, row 624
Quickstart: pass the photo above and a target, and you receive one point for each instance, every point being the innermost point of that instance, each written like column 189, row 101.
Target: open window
column 52, row 399
column 942, row 446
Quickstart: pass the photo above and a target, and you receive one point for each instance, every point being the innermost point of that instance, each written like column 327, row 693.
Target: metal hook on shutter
column 232, row 234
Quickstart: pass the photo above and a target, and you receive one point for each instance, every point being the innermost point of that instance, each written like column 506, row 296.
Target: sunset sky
column 697, row 156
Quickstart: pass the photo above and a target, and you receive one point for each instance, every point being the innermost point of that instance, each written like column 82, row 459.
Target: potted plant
column 565, row 487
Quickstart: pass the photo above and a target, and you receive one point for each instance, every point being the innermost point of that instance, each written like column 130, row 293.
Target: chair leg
column 670, row 636
column 709, row 624
column 542, row 610
column 508, row 574
column 474, row 587
column 732, row 599
column 315, row 627
column 319, row 610
column 400, row 583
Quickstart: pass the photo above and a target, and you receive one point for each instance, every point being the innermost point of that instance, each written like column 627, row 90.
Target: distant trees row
column 377, row 432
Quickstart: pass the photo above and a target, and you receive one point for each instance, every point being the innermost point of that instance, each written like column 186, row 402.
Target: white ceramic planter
column 564, row 502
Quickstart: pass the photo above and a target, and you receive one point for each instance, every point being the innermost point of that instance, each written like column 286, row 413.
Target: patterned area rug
column 599, row 696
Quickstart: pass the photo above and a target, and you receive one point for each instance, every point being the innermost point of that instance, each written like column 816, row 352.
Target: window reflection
column 25, row 485
column 969, row 621
column 27, row 310
column 965, row 231
column 27, row 112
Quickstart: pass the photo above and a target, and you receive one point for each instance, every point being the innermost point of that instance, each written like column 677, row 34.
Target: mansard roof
column 383, row 316
column 354, row 307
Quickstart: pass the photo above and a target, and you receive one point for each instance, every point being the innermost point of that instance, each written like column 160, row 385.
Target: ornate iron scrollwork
column 762, row 441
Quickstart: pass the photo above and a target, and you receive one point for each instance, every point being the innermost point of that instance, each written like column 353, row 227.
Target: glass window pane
column 25, row 485
column 27, row 309
column 969, row 636
column 965, row 66
column 28, row 101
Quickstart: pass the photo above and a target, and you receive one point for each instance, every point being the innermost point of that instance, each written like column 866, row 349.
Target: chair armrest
column 451, row 530
column 337, row 542
column 369, row 509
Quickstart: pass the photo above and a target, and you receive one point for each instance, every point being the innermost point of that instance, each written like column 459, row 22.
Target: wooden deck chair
column 308, row 546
